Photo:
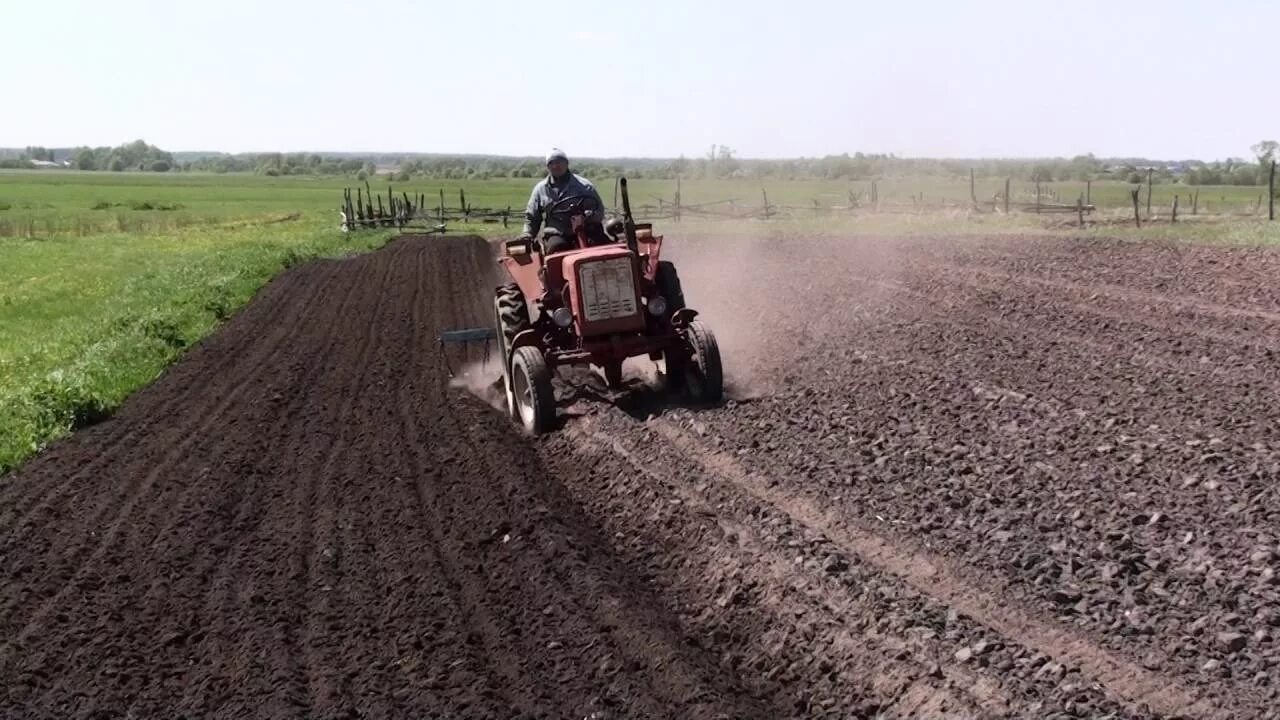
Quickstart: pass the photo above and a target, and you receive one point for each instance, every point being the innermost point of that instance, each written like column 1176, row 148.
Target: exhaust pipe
column 628, row 222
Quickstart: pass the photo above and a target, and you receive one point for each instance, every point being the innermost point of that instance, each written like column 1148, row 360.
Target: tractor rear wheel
column 703, row 375
column 668, row 282
column 533, row 398
column 513, row 312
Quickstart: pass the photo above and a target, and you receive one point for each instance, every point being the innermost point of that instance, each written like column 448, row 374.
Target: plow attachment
column 465, row 338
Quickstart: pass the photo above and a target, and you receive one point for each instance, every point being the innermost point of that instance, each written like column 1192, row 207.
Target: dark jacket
column 548, row 191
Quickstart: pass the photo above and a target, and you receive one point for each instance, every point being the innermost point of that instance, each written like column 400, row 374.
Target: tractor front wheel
column 700, row 371
column 533, row 398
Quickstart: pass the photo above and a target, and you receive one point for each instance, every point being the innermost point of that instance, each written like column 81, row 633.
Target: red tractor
column 596, row 301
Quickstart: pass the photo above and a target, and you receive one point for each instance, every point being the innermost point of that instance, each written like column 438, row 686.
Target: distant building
column 46, row 164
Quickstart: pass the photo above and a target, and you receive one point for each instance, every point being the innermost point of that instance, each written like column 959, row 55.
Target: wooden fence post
column 442, row 206
column 764, row 194
column 1137, row 218
column 1088, row 192
column 1195, row 202
column 677, row 198
column 1037, row 194
column 1150, row 185
column 1080, row 210
column 1271, row 185
column 875, row 196
column 973, row 195
column 1006, row 196
column 1174, row 216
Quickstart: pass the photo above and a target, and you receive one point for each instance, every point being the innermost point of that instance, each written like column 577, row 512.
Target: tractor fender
column 683, row 316
column 522, row 338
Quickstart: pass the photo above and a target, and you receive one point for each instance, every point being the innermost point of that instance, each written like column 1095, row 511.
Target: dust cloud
column 741, row 276
column 482, row 379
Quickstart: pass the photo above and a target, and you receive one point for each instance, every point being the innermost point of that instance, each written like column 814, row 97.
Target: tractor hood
column 604, row 290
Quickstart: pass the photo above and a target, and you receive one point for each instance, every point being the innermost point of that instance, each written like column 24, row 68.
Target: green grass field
column 105, row 278
column 43, row 204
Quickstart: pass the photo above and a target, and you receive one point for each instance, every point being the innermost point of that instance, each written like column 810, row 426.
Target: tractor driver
column 562, row 184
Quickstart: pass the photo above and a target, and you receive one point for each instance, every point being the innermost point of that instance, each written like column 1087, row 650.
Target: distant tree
column 117, row 164
column 160, row 166
column 85, row 159
column 1245, row 175
column 1042, row 172
column 1265, row 151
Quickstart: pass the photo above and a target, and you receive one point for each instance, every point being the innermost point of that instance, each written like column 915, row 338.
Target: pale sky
column 1171, row 79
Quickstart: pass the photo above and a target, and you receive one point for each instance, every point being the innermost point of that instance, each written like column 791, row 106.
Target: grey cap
column 557, row 154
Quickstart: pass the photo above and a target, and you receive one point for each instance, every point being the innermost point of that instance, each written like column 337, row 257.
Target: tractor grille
column 608, row 289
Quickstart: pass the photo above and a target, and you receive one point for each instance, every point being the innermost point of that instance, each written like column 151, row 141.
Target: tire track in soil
column 931, row 575
column 877, row 672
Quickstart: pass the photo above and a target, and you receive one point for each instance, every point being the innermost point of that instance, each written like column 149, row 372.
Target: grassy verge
column 86, row 321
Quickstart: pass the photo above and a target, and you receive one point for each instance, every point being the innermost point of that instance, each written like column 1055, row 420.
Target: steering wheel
column 574, row 204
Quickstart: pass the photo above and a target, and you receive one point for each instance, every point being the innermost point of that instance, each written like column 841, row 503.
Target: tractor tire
column 668, row 282
column 533, row 398
column 513, row 313
column 703, row 375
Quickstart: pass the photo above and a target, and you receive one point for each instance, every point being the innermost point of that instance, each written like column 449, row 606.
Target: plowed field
column 1015, row 477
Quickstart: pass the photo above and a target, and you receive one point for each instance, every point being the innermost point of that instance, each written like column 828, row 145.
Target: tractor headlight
column 562, row 317
column 657, row 305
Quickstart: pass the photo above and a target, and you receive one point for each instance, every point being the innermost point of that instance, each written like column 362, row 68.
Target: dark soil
column 1018, row 477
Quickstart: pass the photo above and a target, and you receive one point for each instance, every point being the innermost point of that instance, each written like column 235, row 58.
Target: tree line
column 719, row 162
column 137, row 155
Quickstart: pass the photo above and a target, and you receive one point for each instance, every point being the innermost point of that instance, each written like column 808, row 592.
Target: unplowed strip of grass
column 86, row 321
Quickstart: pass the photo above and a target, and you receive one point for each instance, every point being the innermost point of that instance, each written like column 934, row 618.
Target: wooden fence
column 364, row 209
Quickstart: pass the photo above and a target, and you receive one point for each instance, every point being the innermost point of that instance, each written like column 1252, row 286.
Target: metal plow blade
column 465, row 338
